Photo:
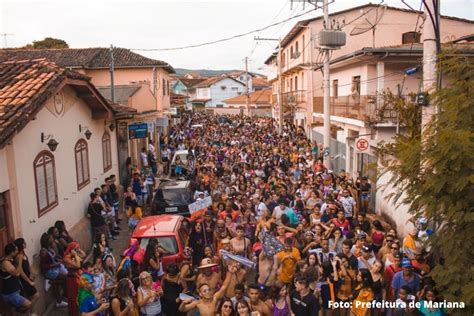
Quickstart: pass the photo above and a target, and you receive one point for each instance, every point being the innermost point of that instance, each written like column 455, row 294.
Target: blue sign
column 139, row 130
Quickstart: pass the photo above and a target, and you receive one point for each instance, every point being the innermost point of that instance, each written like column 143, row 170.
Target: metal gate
column 337, row 151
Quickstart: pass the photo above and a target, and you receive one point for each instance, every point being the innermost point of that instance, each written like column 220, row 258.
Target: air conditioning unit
column 331, row 39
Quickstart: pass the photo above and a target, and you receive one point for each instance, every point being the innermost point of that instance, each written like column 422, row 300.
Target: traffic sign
column 362, row 145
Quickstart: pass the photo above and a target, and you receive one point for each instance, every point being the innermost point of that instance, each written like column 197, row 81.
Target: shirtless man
column 235, row 278
column 240, row 244
column 208, row 300
column 211, row 279
column 256, row 304
column 267, row 269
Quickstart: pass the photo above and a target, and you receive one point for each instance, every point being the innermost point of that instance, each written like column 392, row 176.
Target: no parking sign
column 362, row 145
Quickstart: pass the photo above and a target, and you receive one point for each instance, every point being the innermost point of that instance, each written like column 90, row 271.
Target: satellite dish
column 369, row 21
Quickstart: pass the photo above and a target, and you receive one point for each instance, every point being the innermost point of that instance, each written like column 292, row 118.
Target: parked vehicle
column 183, row 155
column 171, row 231
column 173, row 197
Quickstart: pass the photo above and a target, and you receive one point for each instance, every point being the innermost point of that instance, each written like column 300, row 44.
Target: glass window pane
column 41, row 187
column 85, row 165
column 50, row 183
column 80, row 178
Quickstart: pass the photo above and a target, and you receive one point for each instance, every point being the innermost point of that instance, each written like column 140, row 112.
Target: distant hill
column 204, row 72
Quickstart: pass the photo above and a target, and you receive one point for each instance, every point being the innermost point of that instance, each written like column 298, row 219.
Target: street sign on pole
column 138, row 130
column 362, row 145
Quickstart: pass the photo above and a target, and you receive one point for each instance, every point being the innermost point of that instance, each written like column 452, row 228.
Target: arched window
column 45, row 182
column 106, row 152
column 82, row 163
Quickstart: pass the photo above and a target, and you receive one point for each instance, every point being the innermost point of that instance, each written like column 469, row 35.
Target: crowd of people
column 284, row 236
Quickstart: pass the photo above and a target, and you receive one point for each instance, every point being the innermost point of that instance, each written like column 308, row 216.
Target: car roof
column 181, row 152
column 166, row 185
column 157, row 225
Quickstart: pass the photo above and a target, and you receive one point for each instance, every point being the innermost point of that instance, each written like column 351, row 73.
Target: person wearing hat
column 207, row 303
column 208, row 274
column 405, row 277
column 367, row 259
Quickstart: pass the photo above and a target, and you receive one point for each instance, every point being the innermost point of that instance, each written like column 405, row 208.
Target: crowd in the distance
column 284, row 235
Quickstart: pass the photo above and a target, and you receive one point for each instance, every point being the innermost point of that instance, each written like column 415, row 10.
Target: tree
column 49, row 42
column 436, row 175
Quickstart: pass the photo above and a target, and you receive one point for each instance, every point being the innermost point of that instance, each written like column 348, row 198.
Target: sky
column 157, row 24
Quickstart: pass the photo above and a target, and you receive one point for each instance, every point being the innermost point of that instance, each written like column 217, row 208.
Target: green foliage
column 49, row 42
column 435, row 173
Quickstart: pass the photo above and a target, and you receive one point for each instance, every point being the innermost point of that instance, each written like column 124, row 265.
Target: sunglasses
column 226, row 306
column 394, row 248
column 389, row 240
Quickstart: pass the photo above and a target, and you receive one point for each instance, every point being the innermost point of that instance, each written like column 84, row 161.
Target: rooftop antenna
column 370, row 20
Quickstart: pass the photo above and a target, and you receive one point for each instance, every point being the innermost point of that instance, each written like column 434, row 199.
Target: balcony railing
column 368, row 108
column 292, row 98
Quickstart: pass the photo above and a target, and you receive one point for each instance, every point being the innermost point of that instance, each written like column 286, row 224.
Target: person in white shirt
column 144, row 158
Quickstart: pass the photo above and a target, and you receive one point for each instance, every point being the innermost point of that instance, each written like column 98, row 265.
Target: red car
column 172, row 232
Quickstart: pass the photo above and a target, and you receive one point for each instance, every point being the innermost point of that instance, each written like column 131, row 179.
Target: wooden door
column 5, row 221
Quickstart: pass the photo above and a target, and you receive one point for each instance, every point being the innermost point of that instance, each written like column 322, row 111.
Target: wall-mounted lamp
column 52, row 143
column 111, row 127
column 88, row 133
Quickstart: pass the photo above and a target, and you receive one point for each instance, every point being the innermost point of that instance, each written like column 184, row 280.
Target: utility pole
column 431, row 81
column 247, row 101
column 311, row 104
column 430, row 51
column 327, row 105
column 279, row 92
column 5, row 38
column 112, row 70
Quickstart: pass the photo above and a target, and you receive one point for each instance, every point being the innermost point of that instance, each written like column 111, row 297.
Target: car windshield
column 168, row 243
column 174, row 196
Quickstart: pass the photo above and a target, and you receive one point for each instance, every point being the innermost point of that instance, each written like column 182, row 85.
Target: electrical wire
column 222, row 39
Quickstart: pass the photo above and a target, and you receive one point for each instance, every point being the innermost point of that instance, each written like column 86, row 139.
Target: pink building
column 56, row 145
column 370, row 63
column 139, row 82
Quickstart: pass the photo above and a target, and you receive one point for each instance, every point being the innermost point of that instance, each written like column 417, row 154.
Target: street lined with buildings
column 290, row 159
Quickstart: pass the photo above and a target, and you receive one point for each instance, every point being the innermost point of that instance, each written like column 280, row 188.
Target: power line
column 271, row 21
column 223, row 39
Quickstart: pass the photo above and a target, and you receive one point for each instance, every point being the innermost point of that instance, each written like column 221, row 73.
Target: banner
column 199, row 205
